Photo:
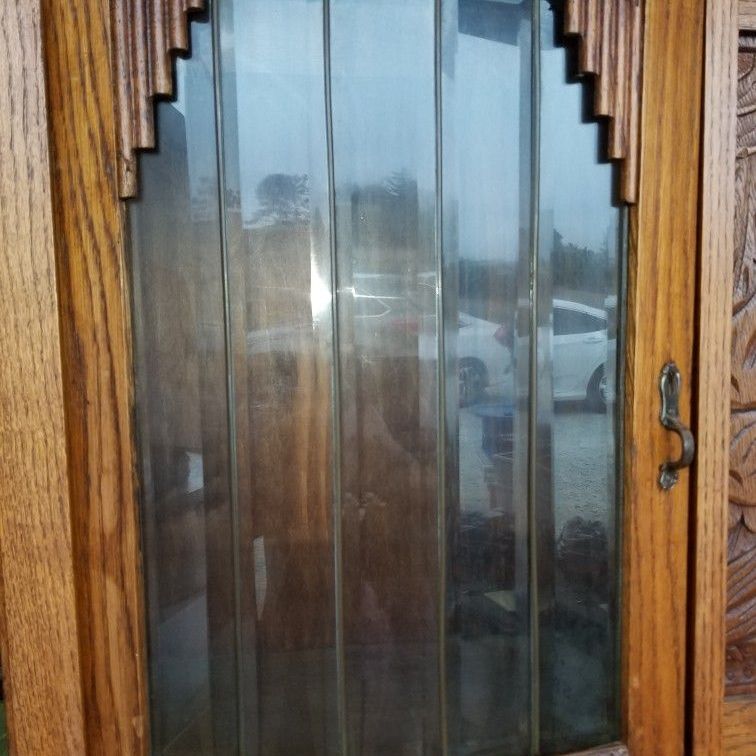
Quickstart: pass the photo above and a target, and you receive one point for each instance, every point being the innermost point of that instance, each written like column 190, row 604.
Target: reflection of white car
column 484, row 358
column 580, row 349
column 579, row 352
column 391, row 327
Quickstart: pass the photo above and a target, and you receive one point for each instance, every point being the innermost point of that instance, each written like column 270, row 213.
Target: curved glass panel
column 488, row 232
column 377, row 280
column 579, row 306
column 273, row 128
column 182, row 415
column 382, row 69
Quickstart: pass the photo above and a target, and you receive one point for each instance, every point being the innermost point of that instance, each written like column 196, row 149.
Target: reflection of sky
column 382, row 54
column 280, row 92
column 195, row 101
column 482, row 170
column 572, row 183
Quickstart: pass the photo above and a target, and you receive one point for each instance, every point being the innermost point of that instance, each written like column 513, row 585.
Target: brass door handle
column 669, row 386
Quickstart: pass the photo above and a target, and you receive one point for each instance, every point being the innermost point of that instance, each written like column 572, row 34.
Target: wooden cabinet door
column 643, row 67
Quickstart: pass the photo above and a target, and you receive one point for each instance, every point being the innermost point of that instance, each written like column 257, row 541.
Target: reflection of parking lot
column 583, row 466
column 472, row 463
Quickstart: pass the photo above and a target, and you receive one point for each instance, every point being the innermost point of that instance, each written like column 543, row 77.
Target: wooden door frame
column 661, row 294
column 87, row 487
column 38, row 623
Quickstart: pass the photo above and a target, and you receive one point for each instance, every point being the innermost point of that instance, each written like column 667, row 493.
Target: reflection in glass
column 487, row 238
column 277, row 231
column 580, row 273
column 382, row 71
column 377, row 292
column 183, row 427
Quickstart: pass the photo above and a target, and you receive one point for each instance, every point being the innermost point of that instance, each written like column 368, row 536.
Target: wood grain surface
column 611, row 36
column 661, row 298
column 97, row 372
column 40, row 650
column 747, row 15
column 739, row 738
column 706, row 664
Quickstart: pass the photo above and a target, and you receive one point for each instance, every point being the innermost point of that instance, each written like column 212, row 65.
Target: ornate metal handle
column 669, row 385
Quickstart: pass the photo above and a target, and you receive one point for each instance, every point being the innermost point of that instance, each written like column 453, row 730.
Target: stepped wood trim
column 146, row 34
column 611, row 35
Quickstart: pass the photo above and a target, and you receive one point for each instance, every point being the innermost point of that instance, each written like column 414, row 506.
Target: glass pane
column 579, row 279
column 487, row 241
column 278, row 236
column 382, row 80
column 184, row 435
column 377, row 290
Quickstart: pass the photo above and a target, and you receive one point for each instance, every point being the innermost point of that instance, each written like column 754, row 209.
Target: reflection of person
column 505, row 335
column 389, row 480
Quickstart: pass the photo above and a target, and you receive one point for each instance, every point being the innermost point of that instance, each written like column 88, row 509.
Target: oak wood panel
column 706, row 665
column 661, row 293
column 145, row 34
column 97, row 373
column 40, row 649
column 747, row 15
column 739, row 737
column 611, row 38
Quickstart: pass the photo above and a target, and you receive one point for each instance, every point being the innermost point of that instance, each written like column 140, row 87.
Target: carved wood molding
column 611, row 36
column 741, row 546
column 146, row 34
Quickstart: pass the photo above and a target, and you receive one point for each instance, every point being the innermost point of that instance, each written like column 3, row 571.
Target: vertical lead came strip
column 535, row 114
column 230, row 384
column 441, row 375
column 335, row 393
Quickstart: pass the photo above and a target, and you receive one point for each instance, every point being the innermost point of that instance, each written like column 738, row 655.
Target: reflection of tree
column 284, row 200
column 579, row 268
column 488, row 287
column 233, row 199
column 401, row 185
column 386, row 220
column 204, row 199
